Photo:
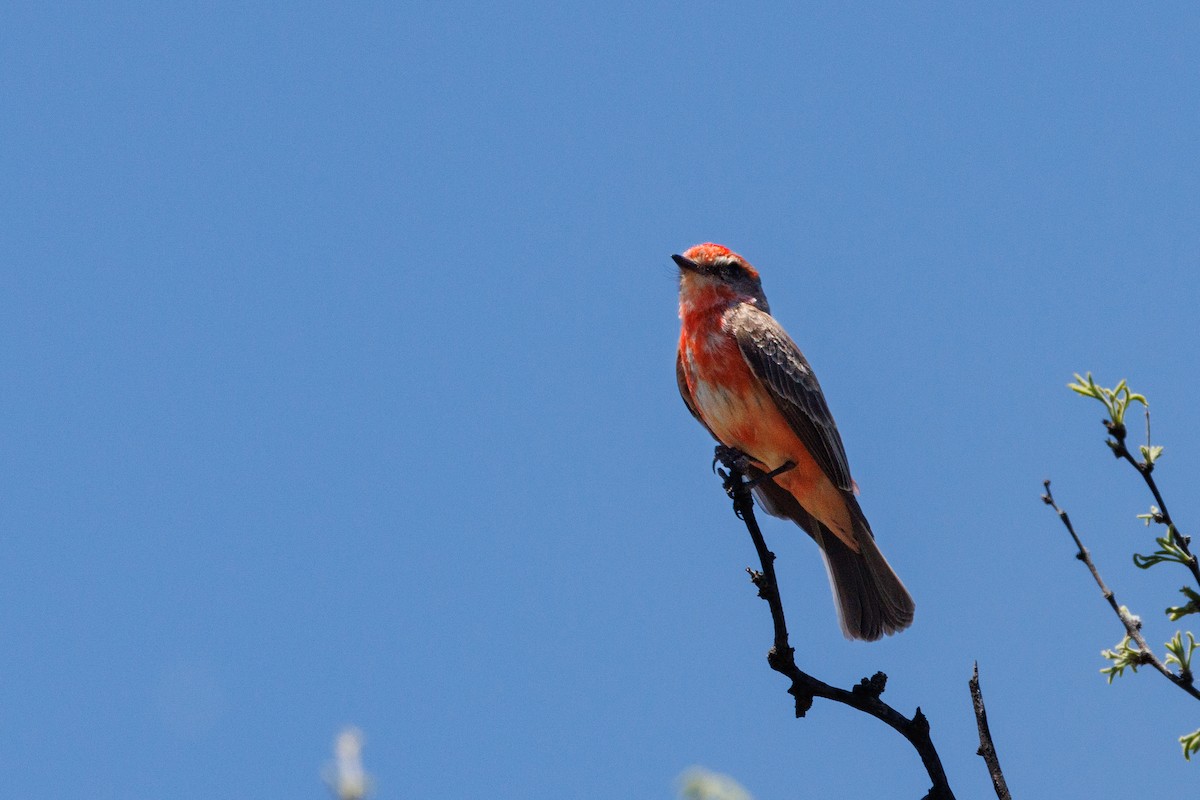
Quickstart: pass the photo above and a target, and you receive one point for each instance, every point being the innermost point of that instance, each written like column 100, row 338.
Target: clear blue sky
column 337, row 363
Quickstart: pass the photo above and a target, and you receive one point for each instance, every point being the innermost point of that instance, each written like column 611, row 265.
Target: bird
column 747, row 382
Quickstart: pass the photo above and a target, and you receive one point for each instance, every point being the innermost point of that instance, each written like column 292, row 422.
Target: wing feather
column 778, row 363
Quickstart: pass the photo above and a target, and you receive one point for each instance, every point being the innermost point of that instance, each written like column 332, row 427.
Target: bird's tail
column 870, row 597
column 871, row 600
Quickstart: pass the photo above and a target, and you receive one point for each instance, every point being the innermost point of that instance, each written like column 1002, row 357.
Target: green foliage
column 1116, row 400
column 1181, row 654
column 1126, row 655
column 1191, row 744
column 1172, row 548
column 1167, row 551
column 1174, row 613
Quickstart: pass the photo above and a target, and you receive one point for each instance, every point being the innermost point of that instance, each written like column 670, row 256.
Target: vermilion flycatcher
column 743, row 377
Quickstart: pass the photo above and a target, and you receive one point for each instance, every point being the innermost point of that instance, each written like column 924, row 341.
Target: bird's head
column 715, row 270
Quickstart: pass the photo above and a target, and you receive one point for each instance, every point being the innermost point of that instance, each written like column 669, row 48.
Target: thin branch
column 1145, row 469
column 781, row 657
column 1132, row 625
column 987, row 749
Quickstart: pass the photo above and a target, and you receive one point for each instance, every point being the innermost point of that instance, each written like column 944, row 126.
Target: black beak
column 686, row 263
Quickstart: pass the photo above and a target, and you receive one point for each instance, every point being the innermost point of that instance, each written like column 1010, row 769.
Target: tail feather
column 872, row 601
column 870, row 598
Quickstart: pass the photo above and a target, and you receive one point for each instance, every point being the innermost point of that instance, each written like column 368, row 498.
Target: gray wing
column 778, row 363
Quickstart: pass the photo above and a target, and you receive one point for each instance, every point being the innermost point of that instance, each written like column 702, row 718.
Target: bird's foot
column 733, row 476
column 733, row 459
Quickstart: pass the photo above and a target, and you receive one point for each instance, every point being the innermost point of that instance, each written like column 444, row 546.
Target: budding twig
column 1146, row 469
column 1132, row 625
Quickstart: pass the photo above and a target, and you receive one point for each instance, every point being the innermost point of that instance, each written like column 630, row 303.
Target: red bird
column 745, row 380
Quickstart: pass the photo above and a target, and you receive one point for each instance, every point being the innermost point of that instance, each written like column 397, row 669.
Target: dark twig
column 987, row 749
column 1133, row 626
column 766, row 476
column 781, row 657
column 1145, row 469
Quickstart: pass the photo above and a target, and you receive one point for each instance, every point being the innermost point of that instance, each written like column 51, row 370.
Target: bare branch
column 987, row 749
column 781, row 657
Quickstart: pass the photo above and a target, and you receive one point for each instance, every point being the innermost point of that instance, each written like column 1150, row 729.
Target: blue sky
column 337, row 365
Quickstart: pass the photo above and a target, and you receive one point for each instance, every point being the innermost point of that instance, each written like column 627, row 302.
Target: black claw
column 734, row 460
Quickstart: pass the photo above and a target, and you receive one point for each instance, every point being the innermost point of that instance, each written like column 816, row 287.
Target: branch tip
column 987, row 748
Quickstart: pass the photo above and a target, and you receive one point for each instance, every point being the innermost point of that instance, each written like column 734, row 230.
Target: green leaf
column 1179, row 652
column 1124, row 656
column 1167, row 551
column 1151, row 454
column 1191, row 744
column 1084, row 386
column 1115, row 400
column 1175, row 613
